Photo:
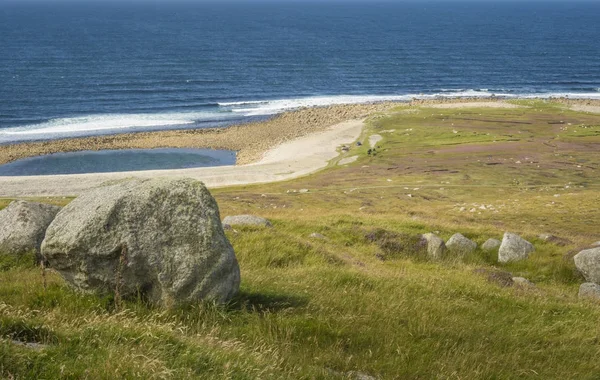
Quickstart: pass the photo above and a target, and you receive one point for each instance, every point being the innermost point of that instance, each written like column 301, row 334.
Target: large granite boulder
column 246, row 220
column 491, row 245
column 161, row 239
column 435, row 246
column 588, row 263
column 514, row 248
column 460, row 244
column 23, row 226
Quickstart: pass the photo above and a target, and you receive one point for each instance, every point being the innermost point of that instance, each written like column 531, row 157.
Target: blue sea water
column 80, row 67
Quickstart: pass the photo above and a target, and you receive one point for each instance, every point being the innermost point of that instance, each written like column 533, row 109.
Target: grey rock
column 596, row 244
column 522, row 282
column 161, row 239
column 23, row 226
column 589, row 291
column 495, row 276
column 549, row 238
column 303, row 191
column 316, row 235
column 246, row 220
column 435, row 246
column 514, row 248
column 588, row 263
column 460, row 244
column 491, row 245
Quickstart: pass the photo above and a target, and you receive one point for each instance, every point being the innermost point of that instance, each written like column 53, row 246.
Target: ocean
column 82, row 68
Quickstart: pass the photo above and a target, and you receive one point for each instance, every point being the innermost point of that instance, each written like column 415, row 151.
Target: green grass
column 365, row 298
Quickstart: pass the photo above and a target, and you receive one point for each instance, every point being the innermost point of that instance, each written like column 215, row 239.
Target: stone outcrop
column 161, row 239
column 246, row 220
column 491, row 245
column 460, row 245
column 588, row 264
column 589, row 291
column 23, row 226
column 514, row 248
column 435, row 246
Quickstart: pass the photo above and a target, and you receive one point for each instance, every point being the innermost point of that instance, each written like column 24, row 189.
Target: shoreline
column 287, row 146
column 289, row 160
column 251, row 140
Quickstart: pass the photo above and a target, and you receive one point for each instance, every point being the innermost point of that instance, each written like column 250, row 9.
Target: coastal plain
column 359, row 301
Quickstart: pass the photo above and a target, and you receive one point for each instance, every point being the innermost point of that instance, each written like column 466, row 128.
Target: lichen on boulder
column 514, row 248
column 23, row 226
column 161, row 239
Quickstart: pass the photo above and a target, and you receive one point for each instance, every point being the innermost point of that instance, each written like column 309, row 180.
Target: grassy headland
column 361, row 300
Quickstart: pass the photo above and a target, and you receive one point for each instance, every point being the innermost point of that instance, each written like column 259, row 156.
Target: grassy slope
column 319, row 309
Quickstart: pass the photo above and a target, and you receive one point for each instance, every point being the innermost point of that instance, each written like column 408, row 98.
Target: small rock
column 316, row 235
column 460, row 244
column 23, row 226
column 491, row 245
column 31, row 345
column 355, row 375
column 494, row 276
column 596, row 244
column 435, row 246
column 523, row 282
column 514, row 248
column 589, row 291
column 549, row 238
column 303, row 191
column 588, row 264
column 246, row 220
column 358, row 143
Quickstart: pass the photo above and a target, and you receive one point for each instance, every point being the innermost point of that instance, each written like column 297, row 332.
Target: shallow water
column 117, row 161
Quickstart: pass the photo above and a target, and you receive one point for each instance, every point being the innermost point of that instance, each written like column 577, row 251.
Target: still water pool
column 117, row 161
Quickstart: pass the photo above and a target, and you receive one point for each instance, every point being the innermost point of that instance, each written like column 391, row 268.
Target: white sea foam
column 231, row 111
column 271, row 107
column 104, row 123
